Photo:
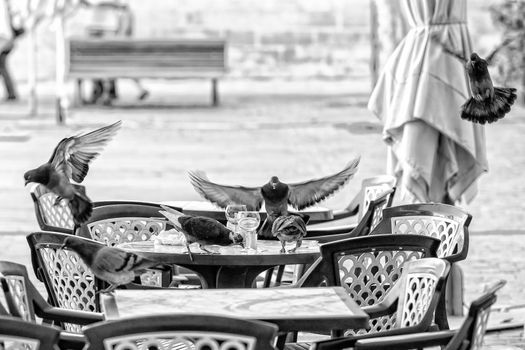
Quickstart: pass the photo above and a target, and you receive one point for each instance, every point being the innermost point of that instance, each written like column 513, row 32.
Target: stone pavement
column 294, row 129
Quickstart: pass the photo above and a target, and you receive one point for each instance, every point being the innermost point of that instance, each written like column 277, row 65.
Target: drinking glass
column 248, row 222
column 231, row 215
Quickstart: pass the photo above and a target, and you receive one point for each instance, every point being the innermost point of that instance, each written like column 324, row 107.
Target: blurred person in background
column 9, row 32
column 111, row 19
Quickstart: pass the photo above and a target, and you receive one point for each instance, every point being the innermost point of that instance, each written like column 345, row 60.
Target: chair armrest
column 408, row 341
column 351, row 209
column 387, row 306
column 70, row 316
column 330, row 230
column 68, row 340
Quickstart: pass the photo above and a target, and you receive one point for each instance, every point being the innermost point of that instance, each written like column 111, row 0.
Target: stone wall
column 267, row 38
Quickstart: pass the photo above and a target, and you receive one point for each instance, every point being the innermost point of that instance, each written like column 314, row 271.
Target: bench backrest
column 114, row 58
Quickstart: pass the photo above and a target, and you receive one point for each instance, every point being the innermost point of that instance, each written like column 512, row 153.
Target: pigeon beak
column 63, row 245
column 26, row 182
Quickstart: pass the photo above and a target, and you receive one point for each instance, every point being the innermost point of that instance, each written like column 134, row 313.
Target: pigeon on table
column 290, row 228
column 275, row 195
column 201, row 230
column 487, row 103
column 70, row 161
column 113, row 265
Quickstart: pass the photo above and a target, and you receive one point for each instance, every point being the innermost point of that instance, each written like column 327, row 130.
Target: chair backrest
column 50, row 217
column 372, row 188
column 470, row 334
column 20, row 294
column 124, row 222
column 16, row 334
column 368, row 267
column 420, row 285
column 165, row 332
column 443, row 221
column 69, row 282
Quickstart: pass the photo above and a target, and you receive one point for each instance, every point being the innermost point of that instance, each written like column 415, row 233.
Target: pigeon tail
column 81, row 208
column 489, row 110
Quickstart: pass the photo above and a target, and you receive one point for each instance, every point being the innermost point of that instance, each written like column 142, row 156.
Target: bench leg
column 61, row 111
column 78, row 94
column 214, row 92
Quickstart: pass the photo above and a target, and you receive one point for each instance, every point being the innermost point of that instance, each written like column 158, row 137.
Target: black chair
column 411, row 301
column 366, row 224
column 468, row 337
column 368, row 221
column 117, row 222
column 368, row 267
column 371, row 188
column 447, row 223
column 25, row 302
column 19, row 334
column 199, row 332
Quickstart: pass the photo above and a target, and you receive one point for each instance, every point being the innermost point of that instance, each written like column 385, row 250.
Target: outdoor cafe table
column 232, row 266
column 292, row 309
column 203, row 208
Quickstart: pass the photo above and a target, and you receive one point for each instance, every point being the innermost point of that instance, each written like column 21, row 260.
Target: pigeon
column 201, row 229
column 487, row 103
column 70, row 161
column 290, row 228
column 275, row 195
column 113, row 265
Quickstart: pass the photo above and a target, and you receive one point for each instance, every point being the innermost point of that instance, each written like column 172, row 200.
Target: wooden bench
column 146, row 58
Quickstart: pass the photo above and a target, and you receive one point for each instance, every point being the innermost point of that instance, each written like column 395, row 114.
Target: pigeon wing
column 73, row 154
column 114, row 260
column 305, row 194
column 210, row 230
column 224, row 195
column 172, row 215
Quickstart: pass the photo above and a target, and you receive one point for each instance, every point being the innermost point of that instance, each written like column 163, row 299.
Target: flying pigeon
column 487, row 103
column 200, row 229
column 70, row 161
column 290, row 228
column 275, row 195
column 113, row 265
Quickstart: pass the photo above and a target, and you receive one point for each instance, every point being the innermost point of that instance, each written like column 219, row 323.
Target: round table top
column 267, row 254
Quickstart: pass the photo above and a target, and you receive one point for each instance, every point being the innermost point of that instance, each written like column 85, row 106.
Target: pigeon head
column 274, row 190
column 477, row 63
column 184, row 221
column 39, row 175
column 236, row 238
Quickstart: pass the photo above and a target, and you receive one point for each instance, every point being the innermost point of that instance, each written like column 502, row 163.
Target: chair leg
column 214, row 92
column 268, row 277
column 279, row 277
column 454, row 291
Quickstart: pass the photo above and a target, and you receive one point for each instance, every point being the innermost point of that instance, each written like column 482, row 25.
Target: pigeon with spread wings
column 275, row 195
column 70, row 161
column 487, row 103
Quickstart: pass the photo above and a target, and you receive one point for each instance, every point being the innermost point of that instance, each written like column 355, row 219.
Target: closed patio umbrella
column 435, row 155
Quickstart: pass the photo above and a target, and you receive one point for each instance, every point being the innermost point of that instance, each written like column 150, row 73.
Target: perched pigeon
column 113, row 265
column 290, row 228
column 200, row 229
column 487, row 103
column 70, row 161
column 275, row 195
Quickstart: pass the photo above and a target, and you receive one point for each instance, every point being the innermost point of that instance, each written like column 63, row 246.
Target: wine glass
column 231, row 215
column 248, row 221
